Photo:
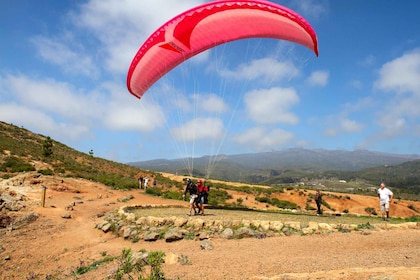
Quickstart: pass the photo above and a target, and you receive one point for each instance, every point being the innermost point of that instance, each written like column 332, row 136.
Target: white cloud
column 268, row 69
column 60, row 53
column 402, row 74
column 57, row 109
column 124, row 112
column 272, row 105
column 210, row 103
column 401, row 77
column 261, row 139
column 43, row 123
column 311, row 8
column 319, row 78
column 344, row 125
column 122, row 26
column 198, row 129
column 52, row 97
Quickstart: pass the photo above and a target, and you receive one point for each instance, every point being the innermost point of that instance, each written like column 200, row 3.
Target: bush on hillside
column 15, row 164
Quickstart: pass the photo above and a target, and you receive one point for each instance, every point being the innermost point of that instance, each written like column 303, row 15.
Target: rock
column 179, row 222
column 105, row 227
column 5, row 220
column 171, row 258
column 101, row 224
column 29, row 218
column 66, row 215
column 325, row 227
column 244, row 232
column 276, row 225
column 206, row 245
column 227, row 233
column 293, row 225
column 265, row 225
column 173, row 235
column 202, row 236
column 197, row 223
column 69, row 207
column 128, row 232
column 151, row 236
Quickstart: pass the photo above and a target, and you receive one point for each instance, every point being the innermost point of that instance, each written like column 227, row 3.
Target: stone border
column 124, row 223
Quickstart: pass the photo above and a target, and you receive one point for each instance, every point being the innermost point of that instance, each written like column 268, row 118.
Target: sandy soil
column 56, row 246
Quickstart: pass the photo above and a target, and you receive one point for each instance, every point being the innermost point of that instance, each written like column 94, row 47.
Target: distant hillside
column 299, row 163
column 22, row 150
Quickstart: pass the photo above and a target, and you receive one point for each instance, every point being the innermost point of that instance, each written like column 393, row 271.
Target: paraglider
column 209, row 25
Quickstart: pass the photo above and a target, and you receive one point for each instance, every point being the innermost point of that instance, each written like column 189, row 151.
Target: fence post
column 44, row 190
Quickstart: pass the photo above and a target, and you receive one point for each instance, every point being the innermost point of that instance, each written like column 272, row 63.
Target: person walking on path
column 191, row 188
column 385, row 196
column 202, row 192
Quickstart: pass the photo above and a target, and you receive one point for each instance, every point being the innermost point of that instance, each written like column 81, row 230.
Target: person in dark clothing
column 318, row 200
column 140, row 182
column 191, row 188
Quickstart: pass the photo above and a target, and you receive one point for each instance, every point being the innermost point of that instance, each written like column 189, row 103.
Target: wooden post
column 44, row 190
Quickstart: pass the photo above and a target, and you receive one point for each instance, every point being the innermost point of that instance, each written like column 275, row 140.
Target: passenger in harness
column 202, row 199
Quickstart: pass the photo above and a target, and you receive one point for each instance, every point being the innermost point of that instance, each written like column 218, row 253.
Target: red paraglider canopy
column 209, row 25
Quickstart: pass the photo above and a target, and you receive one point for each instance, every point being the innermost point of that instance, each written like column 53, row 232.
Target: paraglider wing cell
column 207, row 26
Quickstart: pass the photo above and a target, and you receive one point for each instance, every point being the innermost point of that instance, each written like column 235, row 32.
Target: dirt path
column 56, row 246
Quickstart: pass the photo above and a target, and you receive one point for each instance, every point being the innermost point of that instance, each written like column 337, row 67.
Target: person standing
column 385, row 196
column 318, row 201
column 191, row 188
column 140, row 182
column 202, row 192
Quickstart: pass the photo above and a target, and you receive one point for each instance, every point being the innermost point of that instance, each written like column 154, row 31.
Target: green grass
column 246, row 214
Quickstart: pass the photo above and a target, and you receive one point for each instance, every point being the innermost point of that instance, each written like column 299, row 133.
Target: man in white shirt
column 385, row 197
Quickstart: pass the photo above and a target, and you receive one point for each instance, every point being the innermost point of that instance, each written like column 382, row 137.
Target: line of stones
column 149, row 228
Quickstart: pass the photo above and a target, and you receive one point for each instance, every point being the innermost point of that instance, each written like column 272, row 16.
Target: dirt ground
column 53, row 247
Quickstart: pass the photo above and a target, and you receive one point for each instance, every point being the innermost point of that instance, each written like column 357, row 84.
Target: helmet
column 200, row 181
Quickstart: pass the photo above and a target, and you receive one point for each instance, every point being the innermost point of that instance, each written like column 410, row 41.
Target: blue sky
column 63, row 67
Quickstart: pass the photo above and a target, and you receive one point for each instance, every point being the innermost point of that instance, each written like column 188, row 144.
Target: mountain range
column 250, row 167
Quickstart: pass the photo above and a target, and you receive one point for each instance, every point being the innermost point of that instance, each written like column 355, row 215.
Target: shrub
column 154, row 191
column 364, row 226
column 371, row 211
column 412, row 207
column 284, row 204
column 262, row 199
column 15, row 164
column 309, row 207
column 413, row 219
column 46, row 172
column 217, row 196
column 172, row 195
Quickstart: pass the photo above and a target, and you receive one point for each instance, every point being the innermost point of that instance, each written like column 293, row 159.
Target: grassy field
column 226, row 214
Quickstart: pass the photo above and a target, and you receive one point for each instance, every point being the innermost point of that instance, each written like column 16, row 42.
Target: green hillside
column 22, row 150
